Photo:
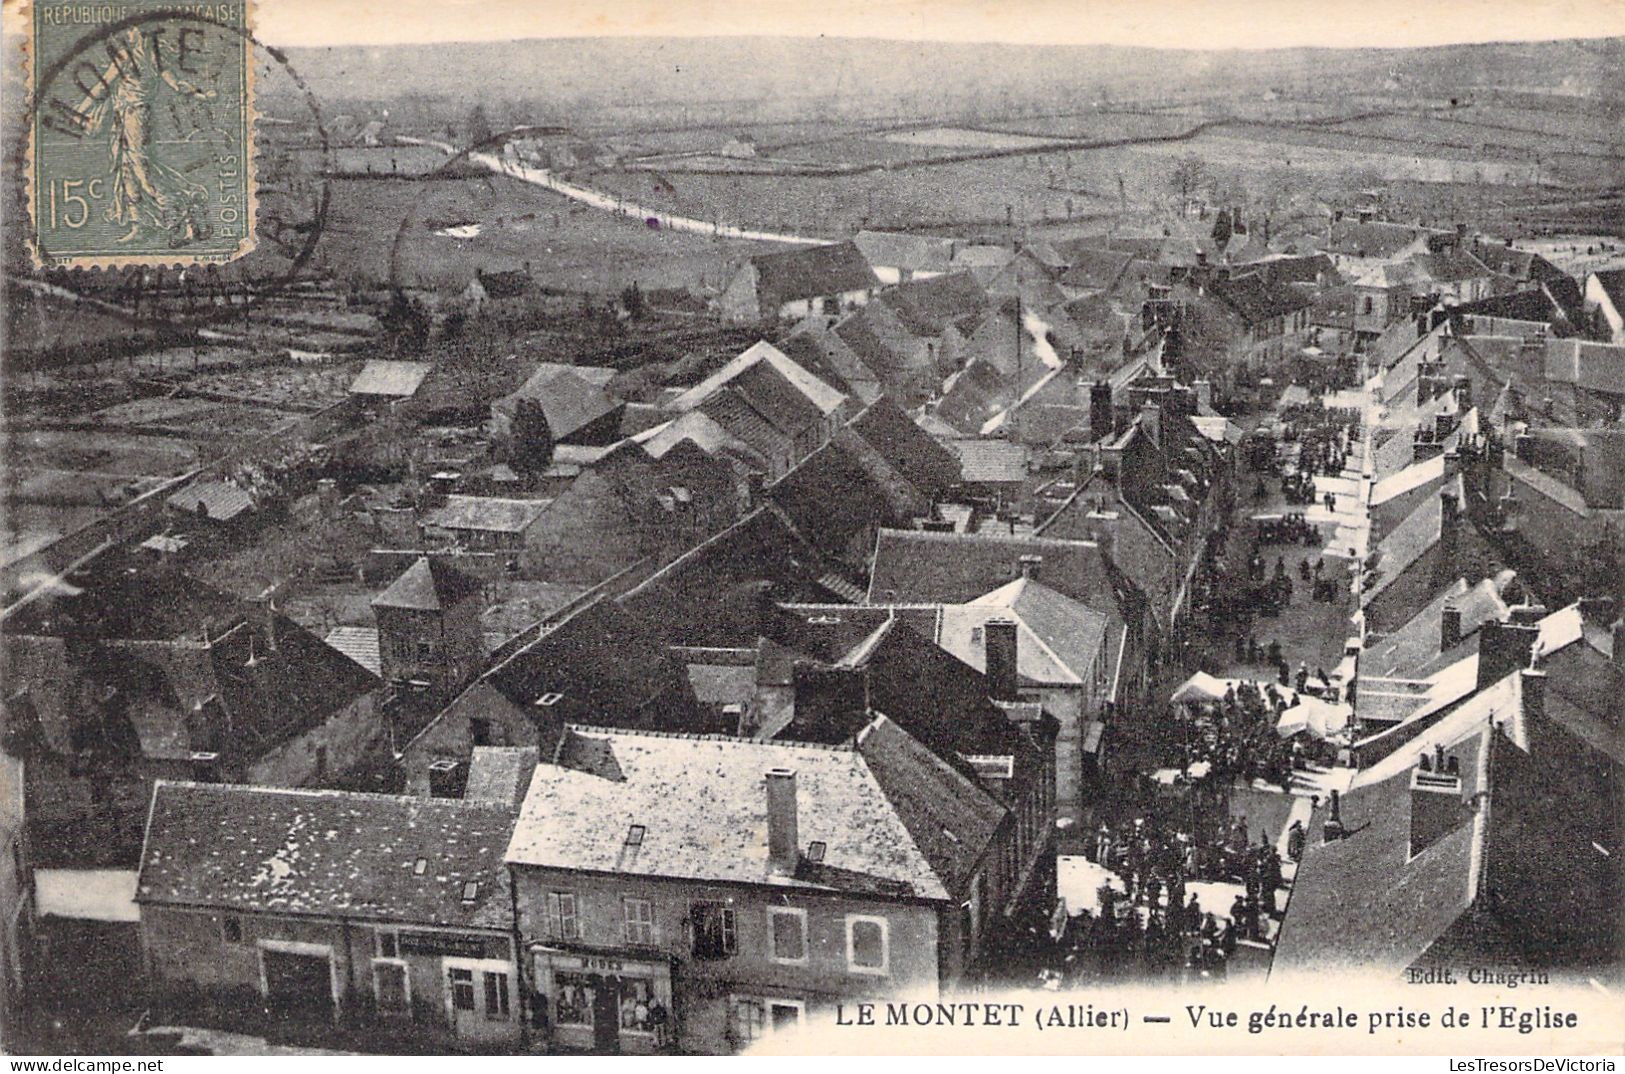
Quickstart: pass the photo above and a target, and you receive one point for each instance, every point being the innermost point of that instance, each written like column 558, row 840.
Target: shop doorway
column 606, row 1014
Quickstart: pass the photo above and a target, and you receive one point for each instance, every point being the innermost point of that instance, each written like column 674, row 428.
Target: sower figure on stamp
column 144, row 189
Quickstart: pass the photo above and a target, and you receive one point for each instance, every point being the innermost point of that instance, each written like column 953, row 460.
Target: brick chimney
column 1436, row 805
column 1030, row 565
column 1502, row 649
column 1449, row 628
column 1444, row 565
column 1204, row 394
column 1100, row 411
column 999, row 638
column 1333, row 829
column 265, row 614
column 783, row 839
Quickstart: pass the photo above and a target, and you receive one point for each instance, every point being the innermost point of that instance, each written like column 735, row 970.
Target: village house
column 823, row 670
column 898, row 257
column 373, row 910
column 827, row 280
column 599, row 663
column 382, row 382
column 137, row 675
column 429, row 637
column 635, row 942
column 490, row 525
column 573, row 401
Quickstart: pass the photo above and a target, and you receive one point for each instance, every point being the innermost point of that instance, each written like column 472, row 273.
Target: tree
column 531, row 447
column 1222, row 228
column 1189, row 176
column 632, row 301
column 479, row 128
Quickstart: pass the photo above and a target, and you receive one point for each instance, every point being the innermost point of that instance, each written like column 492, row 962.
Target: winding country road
column 655, row 218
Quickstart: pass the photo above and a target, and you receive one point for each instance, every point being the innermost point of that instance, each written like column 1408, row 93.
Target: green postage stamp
column 142, row 133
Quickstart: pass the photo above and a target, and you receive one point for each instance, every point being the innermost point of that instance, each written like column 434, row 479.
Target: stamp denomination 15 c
column 142, row 135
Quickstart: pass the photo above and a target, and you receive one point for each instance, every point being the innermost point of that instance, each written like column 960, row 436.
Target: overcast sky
column 1158, row 23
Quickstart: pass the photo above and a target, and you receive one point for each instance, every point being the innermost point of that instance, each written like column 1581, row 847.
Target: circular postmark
column 173, row 168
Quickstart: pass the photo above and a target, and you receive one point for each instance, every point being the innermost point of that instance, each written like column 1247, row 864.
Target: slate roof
column 428, row 585
column 732, row 412
column 1409, row 650
column 991, row 461
column 500, row 775
column 395, row 379
column 702, row 804
column 831, row 497
column 1409, row 541
column 821, row 395
column 569, row 402
column 1255, row 299
column 219, row 501
column 812, row 272
column 1374, row 239
column 1596, row 367
column 486, row 513
column 326, row 853
column 895, row 249
column 607, row 665
column 1612, row 282
column 1092, row 268
column 1361, row 903
column 955, row 568
column 835, row 365
column 928, row 307
column 777, row 399
column 924, row 463
column 1452, row 266
column 1060, row 640
column 359, row 644
column 974, row 395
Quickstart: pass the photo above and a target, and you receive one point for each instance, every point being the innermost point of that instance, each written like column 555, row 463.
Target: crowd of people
column 1154, row 927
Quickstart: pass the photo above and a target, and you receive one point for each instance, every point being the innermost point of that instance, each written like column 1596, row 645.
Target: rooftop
column 327, row 853
column 397, row 380
column 881, row 806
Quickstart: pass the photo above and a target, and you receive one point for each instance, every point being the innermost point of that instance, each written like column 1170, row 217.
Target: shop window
column 639, row 920
column 496, row 996
column 788, row 930
column 716, row 933
column 867, row 944
column 391, row 987
column 562, row 920
column 462, row 989
column 574, row 1004
column 231, row 929
column 637, row 1004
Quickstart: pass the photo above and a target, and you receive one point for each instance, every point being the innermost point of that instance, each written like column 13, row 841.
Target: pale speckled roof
column 332, row 853
column 702, row 801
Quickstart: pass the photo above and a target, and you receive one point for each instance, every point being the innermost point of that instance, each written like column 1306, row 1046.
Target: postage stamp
column 142, row 133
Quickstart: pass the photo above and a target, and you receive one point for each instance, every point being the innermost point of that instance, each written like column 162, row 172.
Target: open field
column 567, row 246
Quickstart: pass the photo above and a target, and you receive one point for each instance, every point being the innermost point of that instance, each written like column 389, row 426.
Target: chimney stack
column 999, row 637
column 783, row 839
column 1619, row 643
column 1030, row 565
column 1444, row 567
column 1502, row 649
column 1100, row 411
column 1449, row 628
column 1533, row 682
column 1436, row 806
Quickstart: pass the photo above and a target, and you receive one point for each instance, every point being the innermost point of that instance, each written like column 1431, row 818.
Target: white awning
column 86, row 894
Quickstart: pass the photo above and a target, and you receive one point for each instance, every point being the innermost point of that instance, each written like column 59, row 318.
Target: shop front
column 605, row 1001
